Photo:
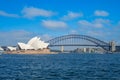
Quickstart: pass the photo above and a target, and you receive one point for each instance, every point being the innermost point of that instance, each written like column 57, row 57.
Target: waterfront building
column 33, row 44
column 1, row 49
column 23, row 46
column 89, row 50
column 10, row 48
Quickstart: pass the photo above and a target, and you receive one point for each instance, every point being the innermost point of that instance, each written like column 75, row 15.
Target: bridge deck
column 78, row 45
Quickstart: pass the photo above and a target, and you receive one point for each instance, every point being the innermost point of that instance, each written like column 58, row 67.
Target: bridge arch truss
column 98, row 42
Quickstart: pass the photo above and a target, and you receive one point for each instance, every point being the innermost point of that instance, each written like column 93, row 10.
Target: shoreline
column 31, row 53
column 43, row 51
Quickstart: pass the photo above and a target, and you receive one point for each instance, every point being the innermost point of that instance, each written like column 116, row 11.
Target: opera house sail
column 11, row 48
column 23, row 46
column 34, row 45
column 1, row 49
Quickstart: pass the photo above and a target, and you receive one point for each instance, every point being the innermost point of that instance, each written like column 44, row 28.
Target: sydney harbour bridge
column 75, row 40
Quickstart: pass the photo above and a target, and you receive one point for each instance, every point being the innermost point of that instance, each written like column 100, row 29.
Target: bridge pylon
column 62, row 48
column 112, row 46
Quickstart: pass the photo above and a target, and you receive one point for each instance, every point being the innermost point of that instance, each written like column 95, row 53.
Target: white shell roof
column 25, row 46
column 1, row 49
column 34, row 43
column 11, row 48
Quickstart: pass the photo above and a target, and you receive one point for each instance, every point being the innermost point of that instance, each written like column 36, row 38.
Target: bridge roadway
column 78, row 45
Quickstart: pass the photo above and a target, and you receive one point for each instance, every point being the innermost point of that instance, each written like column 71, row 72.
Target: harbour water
column 60, row 67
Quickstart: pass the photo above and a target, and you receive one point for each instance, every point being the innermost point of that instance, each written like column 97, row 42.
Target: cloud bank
column 3, row 13
column 97, row 23
column 101, row 13
column 53, row 24
column 31, row 12
column 72, row 15
column 12, row 37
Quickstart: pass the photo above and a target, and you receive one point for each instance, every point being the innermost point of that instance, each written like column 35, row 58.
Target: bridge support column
column 112, row 46
column 62, row 48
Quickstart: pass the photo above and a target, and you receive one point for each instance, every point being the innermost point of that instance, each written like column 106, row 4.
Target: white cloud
column 96, row 33
column 2, row 13
column 107, row 33
column 90, row 24
column 72, row 15
column 73, row 32
column 12, row 37
column 97, row 23
column 100, row 20
column 31, row 12
column 54, row 24
column 101, row 13
column 46, row 37
column 85, row 23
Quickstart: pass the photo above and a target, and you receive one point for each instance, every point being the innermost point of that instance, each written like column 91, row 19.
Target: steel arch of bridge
column 98, row 42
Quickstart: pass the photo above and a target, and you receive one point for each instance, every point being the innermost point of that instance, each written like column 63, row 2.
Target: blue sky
column 22, row 19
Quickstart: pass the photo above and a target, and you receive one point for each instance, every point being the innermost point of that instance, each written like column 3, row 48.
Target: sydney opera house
column 1, row 49
column 34, row 45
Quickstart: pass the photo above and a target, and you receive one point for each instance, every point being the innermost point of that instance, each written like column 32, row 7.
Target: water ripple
column 60, row 67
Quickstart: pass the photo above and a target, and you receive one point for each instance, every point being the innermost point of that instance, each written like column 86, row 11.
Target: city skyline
column 22, row 20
